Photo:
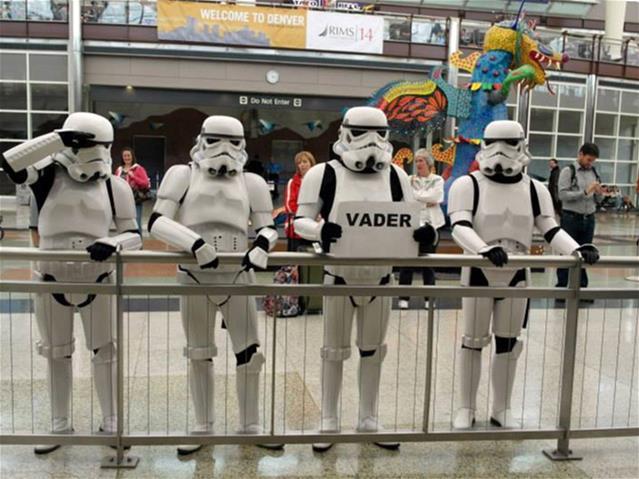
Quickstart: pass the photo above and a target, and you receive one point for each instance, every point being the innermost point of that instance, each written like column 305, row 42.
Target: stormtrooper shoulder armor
column 175, row 183
column 259, row 200
column 312, row 185
column 461, row 199
column 404, row 181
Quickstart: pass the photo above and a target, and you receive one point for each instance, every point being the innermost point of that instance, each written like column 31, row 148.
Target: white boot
column 502, row 377
column 469, row 373
column 105, row 380
column 332, row 371
column 248, row 396
column 370, row 370
column 60, row 386
column 202, row 383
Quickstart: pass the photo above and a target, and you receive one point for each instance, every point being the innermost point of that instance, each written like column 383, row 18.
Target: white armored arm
column 262, row 220
column 460, row 209
column 162, row 225
column 30, row 152
column 309, row 205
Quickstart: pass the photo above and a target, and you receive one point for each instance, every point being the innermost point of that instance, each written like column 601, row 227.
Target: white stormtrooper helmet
column 220, row 147
column 91, row 159
column 363, row 140
column 504, row 150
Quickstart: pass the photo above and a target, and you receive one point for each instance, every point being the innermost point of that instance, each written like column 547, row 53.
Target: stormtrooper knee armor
column 69, row 172
column 204, row 208
column 493, row 213
column 363, row 172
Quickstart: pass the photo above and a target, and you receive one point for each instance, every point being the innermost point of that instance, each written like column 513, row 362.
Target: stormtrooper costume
column 204, row 208
column 69, row 172
column 363, row 172
column 493, row 212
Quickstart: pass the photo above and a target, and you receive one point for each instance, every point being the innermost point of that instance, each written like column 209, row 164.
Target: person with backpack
column 580, row 190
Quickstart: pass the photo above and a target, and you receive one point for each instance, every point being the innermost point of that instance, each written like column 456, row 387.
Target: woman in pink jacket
column 138, row 180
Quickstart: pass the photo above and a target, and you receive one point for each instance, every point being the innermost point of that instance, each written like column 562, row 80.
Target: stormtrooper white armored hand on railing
column 362, row 172
column 69, row 172
column 493, row 212
column 204, row 208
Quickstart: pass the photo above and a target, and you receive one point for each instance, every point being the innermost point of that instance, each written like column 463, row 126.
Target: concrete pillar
column 591, row 97
column 74, row 54
column 615, row 17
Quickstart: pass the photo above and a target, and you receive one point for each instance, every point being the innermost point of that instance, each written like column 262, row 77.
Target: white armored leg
column 469, row 361
column 60, row 387
column 248, row 393
column 502, row 375
column 55, row 324
column 105, row 379
column 332, row 371
column 202, row 384
column 370, row 369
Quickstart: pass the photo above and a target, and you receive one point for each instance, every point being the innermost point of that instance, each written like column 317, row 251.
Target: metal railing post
column 429, row 364
column 119, row 461
column 563, row 451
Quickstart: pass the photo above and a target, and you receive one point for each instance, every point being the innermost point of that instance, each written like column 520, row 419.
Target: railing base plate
column 557, row 455
column 128, row 462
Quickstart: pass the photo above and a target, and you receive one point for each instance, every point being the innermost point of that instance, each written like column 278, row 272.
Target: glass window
column 606, row 124
column 13, row 66
column 541, row 120
column 572, row 96
column 13, row 96
column 605, row 170
column 45, row 123
column 512, row 96
column 607, row 100
column 397, row 28
column 543, row 98
column 626, row 173
column 14, row 10
column 630, row 102
column 606, row 147
column 39, row 10
column 627, row 150
column 49, row 97
column 540, row 145
column 48, row 67
column 569, row 121
column 428, row 31
column 13, row 125
column 511, row 113
column 629, row 126
column 568, row 146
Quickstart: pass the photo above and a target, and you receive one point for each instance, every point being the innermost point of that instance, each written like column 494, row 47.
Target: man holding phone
column 580, row 189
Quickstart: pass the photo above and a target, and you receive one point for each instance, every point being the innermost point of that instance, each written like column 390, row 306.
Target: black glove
column 426, row 236
column 100, row 251
column 589, row 253
column 496, row 256
column 330, row 233
column 260, row 243
column 75, row 139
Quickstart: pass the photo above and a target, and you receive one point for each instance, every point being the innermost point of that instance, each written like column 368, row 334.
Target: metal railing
column 563, row 360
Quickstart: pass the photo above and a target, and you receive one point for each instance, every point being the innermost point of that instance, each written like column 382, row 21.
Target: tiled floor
column 606, row 390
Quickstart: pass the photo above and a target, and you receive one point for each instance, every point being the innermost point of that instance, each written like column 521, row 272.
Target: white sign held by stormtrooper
column 377, row 229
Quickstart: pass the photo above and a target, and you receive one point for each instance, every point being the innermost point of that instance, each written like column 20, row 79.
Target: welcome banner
column 231, row 24
column 205, row 22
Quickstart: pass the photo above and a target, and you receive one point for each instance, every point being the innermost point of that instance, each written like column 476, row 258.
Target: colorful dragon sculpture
column 511, row 55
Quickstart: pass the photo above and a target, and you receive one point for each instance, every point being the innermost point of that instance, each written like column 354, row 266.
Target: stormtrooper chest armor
column 218, row 209
column 351, row 186
column 504, row 214
column 74, row 209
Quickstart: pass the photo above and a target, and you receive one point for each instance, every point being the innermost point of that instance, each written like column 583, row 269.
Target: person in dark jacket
column 553, row 185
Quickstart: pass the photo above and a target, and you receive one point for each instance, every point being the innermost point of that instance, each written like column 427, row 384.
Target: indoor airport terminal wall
column 199, row 199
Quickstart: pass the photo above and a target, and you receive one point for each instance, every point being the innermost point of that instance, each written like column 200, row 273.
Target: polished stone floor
column 606, row 388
